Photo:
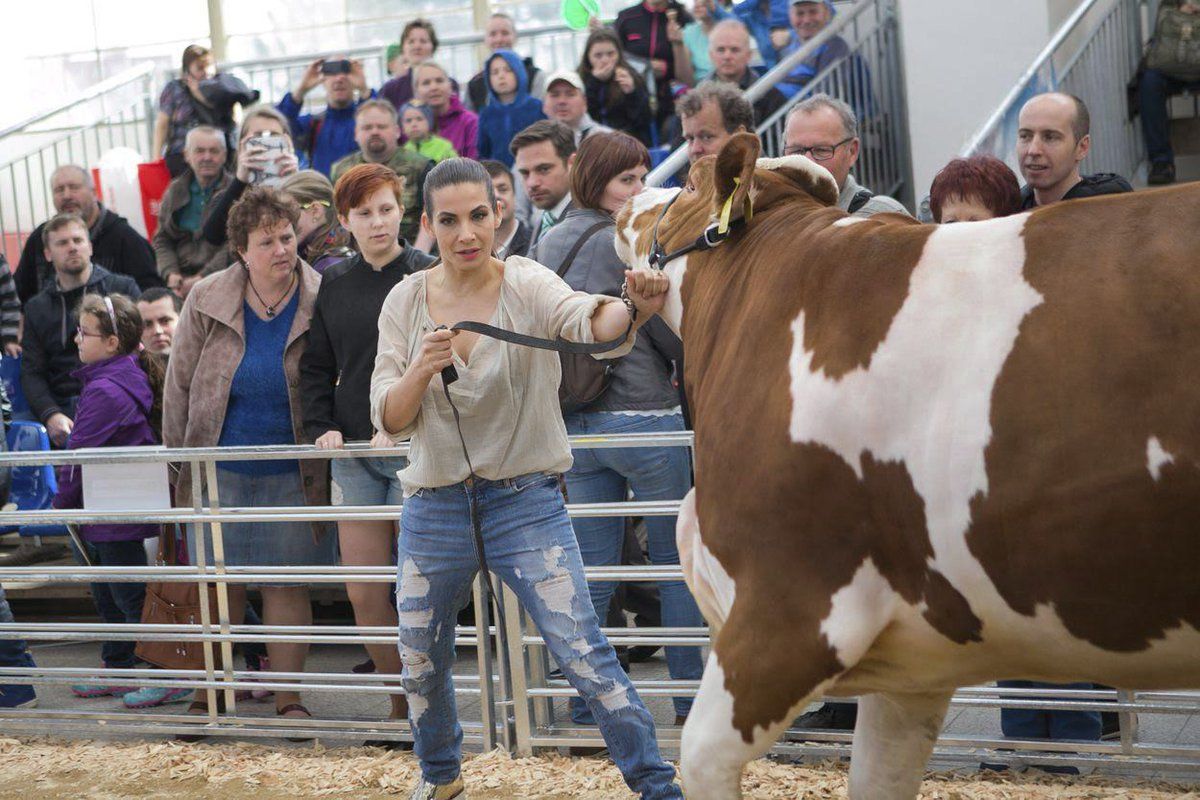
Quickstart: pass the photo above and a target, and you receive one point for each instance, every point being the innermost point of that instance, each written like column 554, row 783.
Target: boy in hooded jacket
column 510, row 108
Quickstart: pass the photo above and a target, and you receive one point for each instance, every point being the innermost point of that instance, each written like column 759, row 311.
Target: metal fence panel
column 517, row 695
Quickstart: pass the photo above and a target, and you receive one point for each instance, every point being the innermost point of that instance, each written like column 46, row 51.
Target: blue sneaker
column 17, row 696
column 150, row 696
column 100, row 690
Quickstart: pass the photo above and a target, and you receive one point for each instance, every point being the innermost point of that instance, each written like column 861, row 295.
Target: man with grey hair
column 825, row 130
column 710, row 114
column 729, row 50
column 115, row 245
column 179, row 243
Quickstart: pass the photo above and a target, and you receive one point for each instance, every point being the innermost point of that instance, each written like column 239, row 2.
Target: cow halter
column 713, row 235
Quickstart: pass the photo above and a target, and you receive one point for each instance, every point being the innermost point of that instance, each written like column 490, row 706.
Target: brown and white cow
column 928, row 457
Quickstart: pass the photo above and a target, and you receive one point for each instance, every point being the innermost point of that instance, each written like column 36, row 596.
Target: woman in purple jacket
column 120, row 405
column 434, row 88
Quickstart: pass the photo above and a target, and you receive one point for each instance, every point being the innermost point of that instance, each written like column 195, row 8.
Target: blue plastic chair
column 33, row 487
column 10, row 376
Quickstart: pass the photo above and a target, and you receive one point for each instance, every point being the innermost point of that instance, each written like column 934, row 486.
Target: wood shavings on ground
column 50, row 768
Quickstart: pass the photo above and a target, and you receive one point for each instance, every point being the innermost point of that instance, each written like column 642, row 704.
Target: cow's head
column 731, row 186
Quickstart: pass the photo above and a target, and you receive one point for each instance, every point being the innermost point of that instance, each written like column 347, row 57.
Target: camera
column 339, row 67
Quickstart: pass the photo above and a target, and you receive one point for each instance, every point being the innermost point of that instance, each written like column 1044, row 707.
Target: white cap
column 568, row 75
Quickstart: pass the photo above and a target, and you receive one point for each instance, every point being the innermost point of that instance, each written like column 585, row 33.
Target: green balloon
column 576, row 13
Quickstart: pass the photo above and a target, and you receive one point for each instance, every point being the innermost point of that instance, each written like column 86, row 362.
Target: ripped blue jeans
column 531, row 546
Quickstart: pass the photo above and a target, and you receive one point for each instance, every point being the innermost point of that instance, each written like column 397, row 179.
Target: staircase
column 1094, row 55
column 868, row 78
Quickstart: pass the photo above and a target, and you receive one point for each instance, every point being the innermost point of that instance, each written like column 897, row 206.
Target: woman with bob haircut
column 507, row 399
column 233, row 380
column 335, row 375
column 609, row 169
column 974, row 189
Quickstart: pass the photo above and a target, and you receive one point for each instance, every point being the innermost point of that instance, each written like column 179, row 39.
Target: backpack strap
column 860, row 199
column 575, row 248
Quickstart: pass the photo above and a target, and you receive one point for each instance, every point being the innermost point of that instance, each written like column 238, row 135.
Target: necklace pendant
column 270, row 312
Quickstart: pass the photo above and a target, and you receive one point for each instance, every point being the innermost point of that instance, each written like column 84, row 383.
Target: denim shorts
column 367, row 481
column 266, row 544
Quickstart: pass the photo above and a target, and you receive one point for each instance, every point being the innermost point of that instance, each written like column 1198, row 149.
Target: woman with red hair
column 335, row 377
column 973, row 189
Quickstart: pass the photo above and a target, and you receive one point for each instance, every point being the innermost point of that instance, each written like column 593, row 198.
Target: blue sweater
column 500, row 122
column 259, row 411
column 334, row 133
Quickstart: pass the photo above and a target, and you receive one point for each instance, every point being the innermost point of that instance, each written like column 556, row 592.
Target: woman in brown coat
column 233, row 381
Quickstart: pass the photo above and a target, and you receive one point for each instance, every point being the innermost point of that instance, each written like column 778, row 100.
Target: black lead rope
column 450, row 375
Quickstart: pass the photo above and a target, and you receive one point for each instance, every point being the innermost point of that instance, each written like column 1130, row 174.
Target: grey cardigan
column 642, row 379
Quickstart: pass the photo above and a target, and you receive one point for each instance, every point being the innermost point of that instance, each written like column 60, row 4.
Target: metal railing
column 868, row 78
column 1092, row 55
column 517, row 695
column 118, row 112
column 552, row 47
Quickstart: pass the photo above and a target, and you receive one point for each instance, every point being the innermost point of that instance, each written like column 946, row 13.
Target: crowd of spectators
column 278, row 243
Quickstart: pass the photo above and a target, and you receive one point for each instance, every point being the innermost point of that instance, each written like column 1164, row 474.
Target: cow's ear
column 734, row 174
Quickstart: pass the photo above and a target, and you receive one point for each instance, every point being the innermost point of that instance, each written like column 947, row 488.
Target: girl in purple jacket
column 120, row 405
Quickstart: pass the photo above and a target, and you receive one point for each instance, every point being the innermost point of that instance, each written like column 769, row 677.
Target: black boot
column 1161, row 173
column 829, row 717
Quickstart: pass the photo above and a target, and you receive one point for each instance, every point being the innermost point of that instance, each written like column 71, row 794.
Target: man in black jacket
column 51, row 351
column 1053, row 137
column 115, row 245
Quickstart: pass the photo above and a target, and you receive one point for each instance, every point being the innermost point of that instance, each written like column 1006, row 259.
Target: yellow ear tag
column 727, row 209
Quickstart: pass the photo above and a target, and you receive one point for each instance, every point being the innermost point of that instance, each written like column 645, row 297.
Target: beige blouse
column 507, row 394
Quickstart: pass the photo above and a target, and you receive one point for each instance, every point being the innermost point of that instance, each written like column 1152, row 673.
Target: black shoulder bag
column 584, row 379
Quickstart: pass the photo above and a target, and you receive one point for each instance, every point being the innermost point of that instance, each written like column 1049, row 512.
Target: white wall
column 960, row 59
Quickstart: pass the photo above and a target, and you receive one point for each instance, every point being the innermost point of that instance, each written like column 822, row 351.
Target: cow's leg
column 892, row 742
column 713, row 752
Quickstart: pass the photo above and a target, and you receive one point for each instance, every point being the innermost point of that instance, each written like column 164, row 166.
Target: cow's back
column 997, row 418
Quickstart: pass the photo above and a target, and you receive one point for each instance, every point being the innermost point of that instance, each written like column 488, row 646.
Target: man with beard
column 50, row 343
column 543, row 154
column 115, row 245
column 377, row 132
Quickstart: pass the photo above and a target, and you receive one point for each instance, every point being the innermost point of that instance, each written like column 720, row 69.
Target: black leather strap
column 558, row 345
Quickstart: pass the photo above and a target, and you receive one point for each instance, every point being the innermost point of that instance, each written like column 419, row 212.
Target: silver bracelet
column 629, row 306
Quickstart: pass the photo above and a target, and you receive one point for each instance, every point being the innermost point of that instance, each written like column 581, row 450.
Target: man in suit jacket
column 544, row 153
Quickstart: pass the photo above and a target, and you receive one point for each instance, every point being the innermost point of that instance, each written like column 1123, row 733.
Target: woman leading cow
column 508, row 402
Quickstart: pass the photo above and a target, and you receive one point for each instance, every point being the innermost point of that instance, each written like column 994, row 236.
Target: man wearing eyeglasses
column 825, row 130
column 50, row 353
column 179, row 245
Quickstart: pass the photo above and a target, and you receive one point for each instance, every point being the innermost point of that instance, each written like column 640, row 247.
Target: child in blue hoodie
column 120, row 405
column 509, row 108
